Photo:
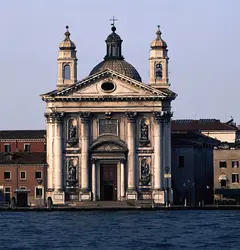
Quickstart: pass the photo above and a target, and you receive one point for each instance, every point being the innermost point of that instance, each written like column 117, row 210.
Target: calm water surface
column 120, row 230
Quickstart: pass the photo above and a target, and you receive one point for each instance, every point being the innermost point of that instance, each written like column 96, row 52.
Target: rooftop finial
column 113, row 23
column 67, row 33
column 158, row 33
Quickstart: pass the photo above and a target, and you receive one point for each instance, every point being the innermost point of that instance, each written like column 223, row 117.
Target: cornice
column 158, row 94
column 104, row 98
column 23, row 164
column 23, row 140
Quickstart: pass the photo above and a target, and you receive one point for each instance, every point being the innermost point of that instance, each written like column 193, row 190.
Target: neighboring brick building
column 23, row 141
column 23, row 166
column 192, row 168
column 23, row 175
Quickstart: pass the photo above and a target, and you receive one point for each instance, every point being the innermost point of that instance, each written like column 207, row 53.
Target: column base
column 131, row 194
column 168, row 196
column 158, row 196
column 85, row 195
column 58, row 197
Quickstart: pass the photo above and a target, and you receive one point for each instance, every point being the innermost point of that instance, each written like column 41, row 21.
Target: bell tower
column 158, row 62
column 67, row 62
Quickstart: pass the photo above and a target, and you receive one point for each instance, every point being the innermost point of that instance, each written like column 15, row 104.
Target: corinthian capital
column 131, row 116
column 58, row 116
column 158, row 117
column 167, row 116
column 85, row 116
column 49, row 117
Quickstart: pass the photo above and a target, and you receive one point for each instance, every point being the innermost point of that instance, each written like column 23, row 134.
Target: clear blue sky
column 203, row 39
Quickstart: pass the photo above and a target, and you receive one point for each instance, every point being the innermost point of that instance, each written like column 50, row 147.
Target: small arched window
column 158, row 71
column 66, row 72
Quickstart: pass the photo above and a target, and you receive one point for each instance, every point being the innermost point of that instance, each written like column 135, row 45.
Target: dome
column 114, row 59
column 120, row 66
column 158, row 42
column 67, row 43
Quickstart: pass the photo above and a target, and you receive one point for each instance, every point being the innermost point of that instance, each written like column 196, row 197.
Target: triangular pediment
column 108, row 84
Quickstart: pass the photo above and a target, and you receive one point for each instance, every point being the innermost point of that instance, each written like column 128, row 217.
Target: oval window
column 108, row 86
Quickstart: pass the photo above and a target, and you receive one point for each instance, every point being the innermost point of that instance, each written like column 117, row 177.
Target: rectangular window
column 7, row 175
column 181, row 161
column 235, row 164
column 38, row 175
column 7, row 148
column 235, row 178
column 23, row 175
column 27, row 147
column 223, row 164
column 38, row 192
column 45, row 147
column 7, row 194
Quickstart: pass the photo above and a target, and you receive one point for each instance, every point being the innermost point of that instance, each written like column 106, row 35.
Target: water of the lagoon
column 120, row 230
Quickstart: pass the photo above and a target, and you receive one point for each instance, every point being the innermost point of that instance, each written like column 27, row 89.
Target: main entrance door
column 108, row 182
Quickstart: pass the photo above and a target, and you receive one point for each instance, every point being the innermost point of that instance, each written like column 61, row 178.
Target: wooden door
column 108, row 182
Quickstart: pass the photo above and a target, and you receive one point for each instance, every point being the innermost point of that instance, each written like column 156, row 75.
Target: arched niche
column 145, row 132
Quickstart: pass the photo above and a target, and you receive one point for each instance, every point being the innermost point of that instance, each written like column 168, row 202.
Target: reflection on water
column 120, row 230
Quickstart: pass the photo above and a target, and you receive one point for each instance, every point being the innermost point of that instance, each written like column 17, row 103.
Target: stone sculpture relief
column 145, row 177
column 72, row 166
column 72, row 133
column 144, row 132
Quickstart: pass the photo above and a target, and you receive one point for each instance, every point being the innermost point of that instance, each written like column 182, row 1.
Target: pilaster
column 85, row 193
column 58, row 194
column 94, row 181
column 131, row 193
column 49, row 120
column 122, row 170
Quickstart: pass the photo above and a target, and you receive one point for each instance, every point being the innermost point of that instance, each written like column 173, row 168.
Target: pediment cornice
column 66, row 93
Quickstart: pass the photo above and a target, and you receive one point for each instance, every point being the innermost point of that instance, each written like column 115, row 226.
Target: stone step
column 105, row 204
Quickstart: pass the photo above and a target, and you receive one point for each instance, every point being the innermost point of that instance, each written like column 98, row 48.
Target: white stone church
column 109, row 135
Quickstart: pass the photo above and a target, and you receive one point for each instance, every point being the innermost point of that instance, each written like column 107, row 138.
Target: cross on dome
column 113, row 23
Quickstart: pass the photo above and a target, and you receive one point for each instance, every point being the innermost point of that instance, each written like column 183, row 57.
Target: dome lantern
column 113, row 44
column 114, row 59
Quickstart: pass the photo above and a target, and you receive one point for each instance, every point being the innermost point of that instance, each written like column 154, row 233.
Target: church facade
column 109, row 135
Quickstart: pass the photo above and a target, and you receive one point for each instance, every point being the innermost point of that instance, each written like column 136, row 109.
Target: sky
column 203, row 39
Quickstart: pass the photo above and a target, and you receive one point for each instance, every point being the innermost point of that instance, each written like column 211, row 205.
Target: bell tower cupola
column 159, row 62
column 67, row 62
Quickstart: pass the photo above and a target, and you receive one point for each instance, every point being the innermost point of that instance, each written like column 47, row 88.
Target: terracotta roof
column 201, row 125
column 23, row 158
column 22, row 134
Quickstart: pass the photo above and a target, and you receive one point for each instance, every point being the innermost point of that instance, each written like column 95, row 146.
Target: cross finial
column 113, row 20
column 67, row 33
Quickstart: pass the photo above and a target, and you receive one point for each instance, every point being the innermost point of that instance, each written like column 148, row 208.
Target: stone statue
column 145, row 169
column 72, row 132
column 144, row 131
column 71, row 171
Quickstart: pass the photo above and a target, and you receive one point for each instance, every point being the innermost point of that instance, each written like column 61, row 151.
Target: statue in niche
column 72, row 173
column 144, row 131
column 72, row 170
column 145, row 171
column 72, row 132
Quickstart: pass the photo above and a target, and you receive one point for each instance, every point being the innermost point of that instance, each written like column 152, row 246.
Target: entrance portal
column 108, row 182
